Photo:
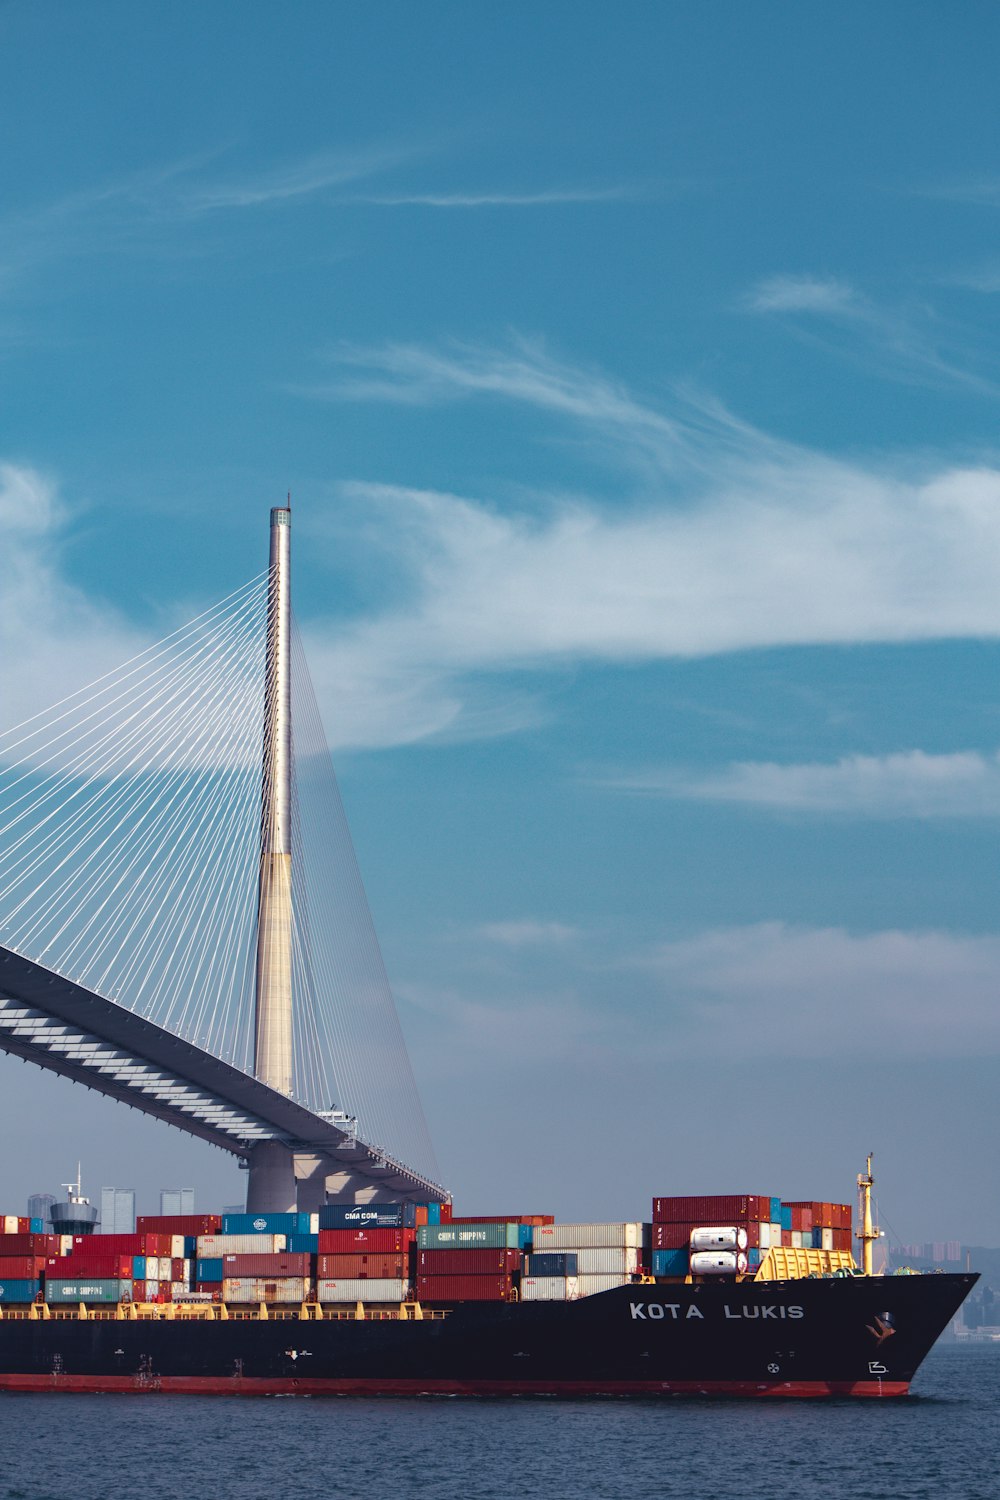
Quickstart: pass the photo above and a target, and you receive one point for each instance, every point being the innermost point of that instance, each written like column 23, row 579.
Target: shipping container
column 608, row 1260
column 129, row 1244
column 270, row 1223
column 19, row 1290
column 211, row 1245
column 476, row 1262
column 489, row 1236
column 103, row 1289
column 729, row 1208
column 208, row 1270
column 589, row 1286
column 77, row 1267
column 670, row 1262
column 270, row 1289
column 717, row 1262
column 464, row 1289
column 368, row 1216
column 282, row 1264
column 30, row 1244
column 392, row 1265
column 387, row 1289
column 303, row 1244
column 549, row 1289
column 725, row 1237
column 547, row 1264
column 589, row 1236
column 533, row 1219
column 21, row 1267
column 363, row 1241
column 186, row 1224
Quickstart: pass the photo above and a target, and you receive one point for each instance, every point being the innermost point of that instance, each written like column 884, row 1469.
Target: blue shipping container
column 775, row 1210
column 667, row 1262
column 552, row 1263
column 786, row 1218
column 266, row 1224
column 754, row 1258
column 433, row 1213
column 190, row 1246
column 208, row 1270
column 138, row 1268
column 817, row 1239
column 19, row 1291
column 37, row 1226
column 299, row 1244
column 368, row 1216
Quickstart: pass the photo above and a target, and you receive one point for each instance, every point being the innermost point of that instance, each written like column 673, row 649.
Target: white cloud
column 772, row 990
column 909, row 783
column 526, row 933
column 547, row 197
column 819, row 294
column 53, row 638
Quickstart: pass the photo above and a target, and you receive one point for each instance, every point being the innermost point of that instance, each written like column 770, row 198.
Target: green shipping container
column 469, row 1236
column 58, row 1290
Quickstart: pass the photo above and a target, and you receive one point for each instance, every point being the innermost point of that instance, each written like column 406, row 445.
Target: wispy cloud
column 909, row 344
column 775, row 990
column 526, row 933
column 293, row 180
column 546, row 198
column 53, row 637
column 908, row 784
column 823, row 294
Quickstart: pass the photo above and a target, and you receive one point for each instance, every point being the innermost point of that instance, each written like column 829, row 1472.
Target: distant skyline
column 636, row 380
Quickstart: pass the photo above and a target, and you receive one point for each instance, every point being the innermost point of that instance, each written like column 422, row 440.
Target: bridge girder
column 73, row 1031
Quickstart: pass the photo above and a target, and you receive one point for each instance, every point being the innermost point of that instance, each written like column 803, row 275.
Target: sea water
column 943, row 1441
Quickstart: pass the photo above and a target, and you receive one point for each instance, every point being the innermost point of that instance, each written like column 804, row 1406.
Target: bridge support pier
column 271, row 1184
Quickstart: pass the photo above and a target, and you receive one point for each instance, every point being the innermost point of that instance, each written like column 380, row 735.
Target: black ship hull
column 825, row 1337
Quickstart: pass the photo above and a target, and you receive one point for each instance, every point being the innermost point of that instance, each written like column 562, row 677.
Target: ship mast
column 868, row 1233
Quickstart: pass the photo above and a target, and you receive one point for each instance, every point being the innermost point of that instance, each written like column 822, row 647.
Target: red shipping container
column 90, row 1267
column 732, row 1208
column 177, row 1268
column 24, row 1226
column 359, row 1241
column 21, row 1267
column 468, row 1262
column 124, row 1244
column 447, row 1210
column 280, row 1264
column 464, row 1289
column 533, row 1219
column 30, row 1244
column 188, row 1224
column 209, row 1286
column 392, row 1266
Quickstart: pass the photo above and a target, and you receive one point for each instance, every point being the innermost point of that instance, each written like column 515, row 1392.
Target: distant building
column 117, row 1210
column 176, row 1201
column 40, row 1207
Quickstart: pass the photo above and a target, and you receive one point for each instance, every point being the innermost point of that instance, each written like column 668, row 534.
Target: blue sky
column 636, row 379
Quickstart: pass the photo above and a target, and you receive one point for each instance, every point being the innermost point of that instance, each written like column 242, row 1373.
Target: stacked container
column 470, row 1260
column 683, row 1228
column 365, row 1264
column 816, row 1225
column 598, row 1257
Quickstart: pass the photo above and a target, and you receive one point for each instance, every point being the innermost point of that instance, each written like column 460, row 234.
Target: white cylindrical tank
column 717, row 1263
column 719, row 1239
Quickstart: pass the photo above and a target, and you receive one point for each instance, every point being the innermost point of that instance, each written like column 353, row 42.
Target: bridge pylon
column 271, row 1185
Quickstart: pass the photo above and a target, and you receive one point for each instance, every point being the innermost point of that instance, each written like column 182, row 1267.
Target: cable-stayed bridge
column 182, row 921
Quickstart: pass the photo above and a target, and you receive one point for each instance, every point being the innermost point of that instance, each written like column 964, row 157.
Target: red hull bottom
column 206, row 1385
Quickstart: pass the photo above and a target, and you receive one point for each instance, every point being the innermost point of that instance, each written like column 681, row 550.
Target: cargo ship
column 399, row 1299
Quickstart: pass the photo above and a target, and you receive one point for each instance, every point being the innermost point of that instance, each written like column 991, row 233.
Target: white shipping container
column 607, row 1261
column 265, row 1289
column 549, row 1288
column 586, row 1236
column 374, row 1290
column 775, row 1234
column 827, row 1239
column 765, row 1236
column 587, row 1286
column 9, row 1224
column 214, row 1246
